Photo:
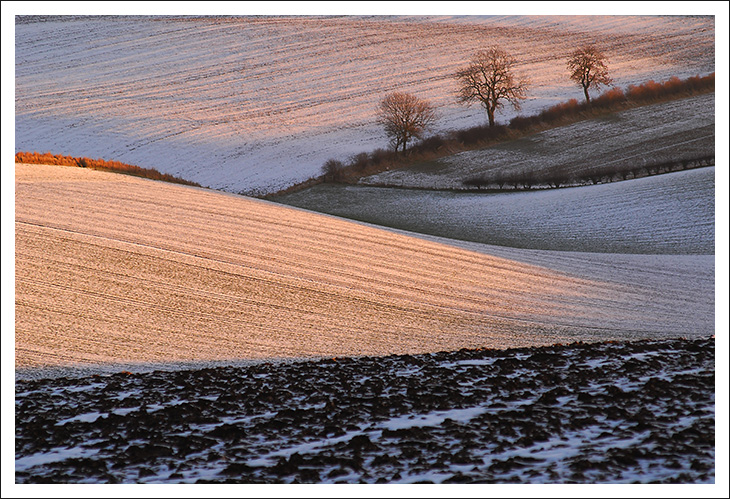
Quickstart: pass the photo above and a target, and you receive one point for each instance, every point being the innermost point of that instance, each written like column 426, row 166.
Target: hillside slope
column 116, row 269
column 651, row 134
column 672, row 213
column 257, row 104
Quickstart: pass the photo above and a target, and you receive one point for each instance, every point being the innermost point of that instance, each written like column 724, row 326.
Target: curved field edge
column 615, row 121
column 672, row 213
column 49, row 158
column 117, row 269
column 664, row 137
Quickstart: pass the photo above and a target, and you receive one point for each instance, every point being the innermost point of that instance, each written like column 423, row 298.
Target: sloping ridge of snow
column 672, row 213
column 117, row 269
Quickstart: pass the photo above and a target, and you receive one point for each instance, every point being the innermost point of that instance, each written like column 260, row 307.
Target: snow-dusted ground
column 112, row 269
column 585, row 413
column 255, row 104
column 672, row 213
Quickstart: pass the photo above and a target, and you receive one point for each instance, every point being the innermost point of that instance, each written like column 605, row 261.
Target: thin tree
column 405, row 117
column 489, row 80
column 587, row 66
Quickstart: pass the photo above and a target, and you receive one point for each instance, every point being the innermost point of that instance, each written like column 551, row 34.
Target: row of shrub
column 363, row 164
column 614, row 99
column 98, row 164
column 558, row 177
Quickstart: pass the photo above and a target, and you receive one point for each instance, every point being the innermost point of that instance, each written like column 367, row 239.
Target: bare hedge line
column 561, row 177
column 98, row 164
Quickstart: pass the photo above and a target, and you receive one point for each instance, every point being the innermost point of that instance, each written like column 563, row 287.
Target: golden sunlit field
column 116, row 269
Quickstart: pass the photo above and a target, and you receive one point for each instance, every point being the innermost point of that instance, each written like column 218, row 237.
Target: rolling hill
column 117, row 270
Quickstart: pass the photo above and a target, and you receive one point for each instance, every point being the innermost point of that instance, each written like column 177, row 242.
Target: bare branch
column 405, row 117
column 587, row 66
column 490, row 81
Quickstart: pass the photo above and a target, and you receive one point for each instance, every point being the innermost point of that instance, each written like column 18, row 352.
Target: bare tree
column 489, row 79
column 405, row 117
column 587, row 66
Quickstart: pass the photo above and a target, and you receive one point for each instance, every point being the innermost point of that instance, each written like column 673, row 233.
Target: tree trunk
column 490, row 114
column 585, row 91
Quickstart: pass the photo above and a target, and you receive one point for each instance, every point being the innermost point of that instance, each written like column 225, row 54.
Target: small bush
column 333, row 170
column 524, row 122
column 610, row 98
column 478, row 182
column 558, row 111
column 359, row 162
column 430, row 144
column 477, row 134
column 379, row 156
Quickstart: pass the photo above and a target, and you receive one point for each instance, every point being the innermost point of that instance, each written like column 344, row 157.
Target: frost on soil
column 638, row 412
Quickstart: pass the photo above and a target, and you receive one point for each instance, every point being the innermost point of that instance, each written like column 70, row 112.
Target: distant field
column 256, row 104
column 671, row 213
column 649, row 134
column 116, row 270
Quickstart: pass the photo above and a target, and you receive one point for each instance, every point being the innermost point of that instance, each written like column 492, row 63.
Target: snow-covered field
column 671, row 214
column 254, row 104
column 112, row 269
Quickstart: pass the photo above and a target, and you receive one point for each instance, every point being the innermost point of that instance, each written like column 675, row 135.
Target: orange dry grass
column 97, row 164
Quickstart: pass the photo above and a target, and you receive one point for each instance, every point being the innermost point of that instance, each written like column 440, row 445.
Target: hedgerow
column 98, row 164
column 439, row 145
column 559, row 177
